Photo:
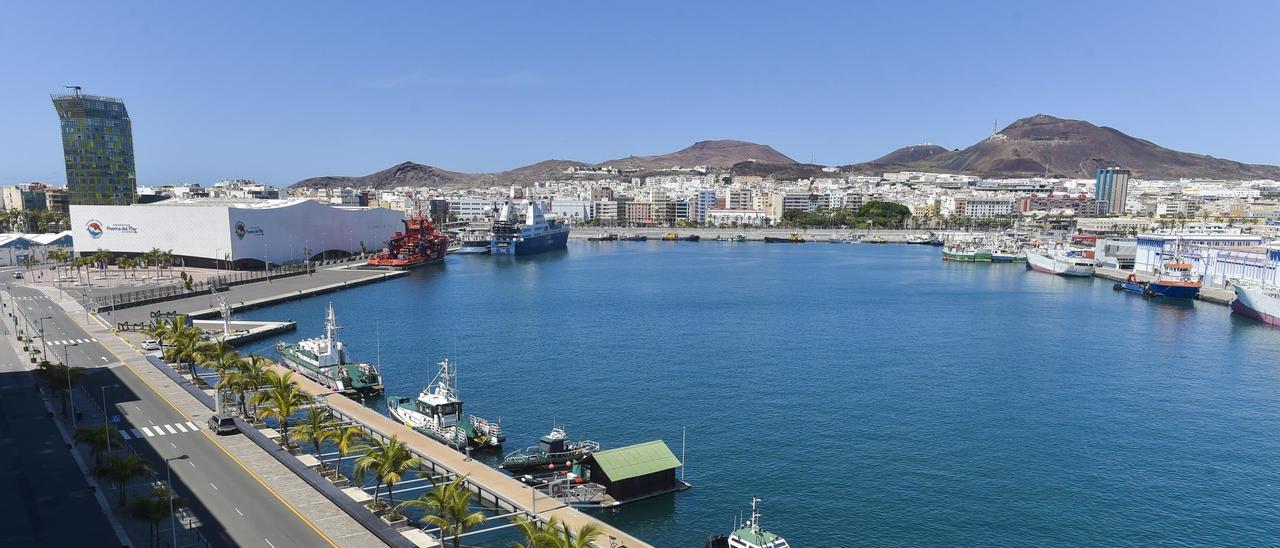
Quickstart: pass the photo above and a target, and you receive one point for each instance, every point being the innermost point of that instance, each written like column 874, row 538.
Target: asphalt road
column 234, row 507
column 63, row 337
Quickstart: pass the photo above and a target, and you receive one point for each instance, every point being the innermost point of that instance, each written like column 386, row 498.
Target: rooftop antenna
column 75, row 90
column 994, row 122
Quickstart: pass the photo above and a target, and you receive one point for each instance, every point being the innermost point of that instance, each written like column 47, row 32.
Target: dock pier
column 489, row 484
column 1215, row 295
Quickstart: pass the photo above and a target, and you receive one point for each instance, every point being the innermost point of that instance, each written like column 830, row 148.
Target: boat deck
column 490, row 484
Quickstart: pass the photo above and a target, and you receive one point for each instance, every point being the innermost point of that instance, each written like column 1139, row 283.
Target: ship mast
column 755, row 515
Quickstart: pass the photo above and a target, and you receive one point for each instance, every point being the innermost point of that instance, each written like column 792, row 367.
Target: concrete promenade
column 514, row 495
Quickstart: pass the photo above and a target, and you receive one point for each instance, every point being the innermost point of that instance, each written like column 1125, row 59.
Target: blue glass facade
column 97, row 145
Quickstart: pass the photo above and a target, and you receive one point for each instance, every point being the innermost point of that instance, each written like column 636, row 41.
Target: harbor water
column 870, row 394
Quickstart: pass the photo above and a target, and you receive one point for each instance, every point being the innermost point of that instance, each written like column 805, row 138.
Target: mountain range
column 1035, row 146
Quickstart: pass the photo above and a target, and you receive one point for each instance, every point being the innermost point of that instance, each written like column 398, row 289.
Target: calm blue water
column 872, row 395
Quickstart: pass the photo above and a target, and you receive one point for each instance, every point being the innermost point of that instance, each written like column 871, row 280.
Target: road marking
column 170, row 429
column 192, row 425
column 136, row 433
column 239, row 512
column 215, row 487
column 192, row 463
column 147, row 431
column 124, row 434
column 172, row 445
column 269, row 543
column 180, row 427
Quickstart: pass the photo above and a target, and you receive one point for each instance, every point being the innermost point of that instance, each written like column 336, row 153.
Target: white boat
column 437, row 412
column 325, row 360
column 1060, row 262
column 1256, row 300
column 748, row 535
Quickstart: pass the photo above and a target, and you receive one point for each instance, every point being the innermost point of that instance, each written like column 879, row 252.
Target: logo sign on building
column 94, row 228
column 241, row 230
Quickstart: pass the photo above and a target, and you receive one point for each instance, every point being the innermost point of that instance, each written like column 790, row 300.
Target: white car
column 151, row 344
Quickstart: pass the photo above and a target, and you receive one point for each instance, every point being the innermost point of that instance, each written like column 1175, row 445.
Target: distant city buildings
column 1112, row 190
column 97, row 145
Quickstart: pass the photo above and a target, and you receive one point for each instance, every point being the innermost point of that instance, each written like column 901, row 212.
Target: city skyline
column 277, row 95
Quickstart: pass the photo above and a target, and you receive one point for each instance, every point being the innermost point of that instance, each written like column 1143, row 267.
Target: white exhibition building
column 206, row 232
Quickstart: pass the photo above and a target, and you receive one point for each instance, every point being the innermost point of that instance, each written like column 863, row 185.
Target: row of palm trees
column 101, row 259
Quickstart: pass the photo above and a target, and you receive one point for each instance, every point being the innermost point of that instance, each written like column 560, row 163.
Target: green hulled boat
column 324, row 360
column 966, row 253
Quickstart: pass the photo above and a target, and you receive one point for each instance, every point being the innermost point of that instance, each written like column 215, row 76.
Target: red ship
column 419, row 244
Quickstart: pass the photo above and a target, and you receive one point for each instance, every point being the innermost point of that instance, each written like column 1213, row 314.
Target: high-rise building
column 97, row 144
column 1111, row 190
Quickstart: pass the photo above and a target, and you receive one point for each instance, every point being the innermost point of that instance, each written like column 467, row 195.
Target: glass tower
column 97, row 144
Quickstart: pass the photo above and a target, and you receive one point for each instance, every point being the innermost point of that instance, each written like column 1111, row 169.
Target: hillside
column 910, row 154
column 404, row 174
column 722, row 154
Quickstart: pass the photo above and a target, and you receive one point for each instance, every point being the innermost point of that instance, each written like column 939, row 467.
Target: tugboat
column 552, row 454
column 533, row 234
column 418, row 245
column 324, row 360
column 437, row 413
column 749, row 535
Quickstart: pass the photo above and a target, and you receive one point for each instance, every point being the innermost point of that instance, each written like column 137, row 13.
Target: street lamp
column 44, row 340
column 168, row 474
column 71, row 397
column 106, row 432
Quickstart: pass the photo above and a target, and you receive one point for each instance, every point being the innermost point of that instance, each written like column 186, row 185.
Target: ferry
column 1060, row 262
column 534, row 233
column 1256, row 300
column 554, row 453
column 1175, row 280
column 437, row 413
column 324, row 360
column 419, row 244
column 748, row 535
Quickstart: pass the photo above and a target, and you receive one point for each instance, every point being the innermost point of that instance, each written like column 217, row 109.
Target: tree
column 387, row 461
column 61, row 379
column 97, row 439
column 347, row 438
column 536, row 533
column 154, row 508
column 283, row 398
column 564, row 537
column 449, row 507
column 316, row 427
column 122, row 470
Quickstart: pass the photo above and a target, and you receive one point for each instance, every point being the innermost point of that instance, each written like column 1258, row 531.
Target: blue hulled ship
column 528, row 233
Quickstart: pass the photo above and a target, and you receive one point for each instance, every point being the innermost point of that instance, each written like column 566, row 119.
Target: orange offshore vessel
column 419, row 244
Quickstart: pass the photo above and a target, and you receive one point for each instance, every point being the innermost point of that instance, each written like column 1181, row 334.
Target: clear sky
column 279, row 91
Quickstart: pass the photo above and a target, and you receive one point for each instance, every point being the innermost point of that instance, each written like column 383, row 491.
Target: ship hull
column 322, row 377
column 1255, row 304
column 979, row 256
column 532, row 245
column 1174, row 291
column 1050, row 265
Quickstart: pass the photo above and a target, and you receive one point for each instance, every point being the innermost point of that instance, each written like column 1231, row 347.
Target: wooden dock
column 489, row 484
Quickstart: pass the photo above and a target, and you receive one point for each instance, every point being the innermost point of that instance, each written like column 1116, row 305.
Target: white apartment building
column 986, row 208
column 573, row 210
column 472, row 208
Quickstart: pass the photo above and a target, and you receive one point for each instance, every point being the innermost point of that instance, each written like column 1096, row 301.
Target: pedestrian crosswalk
column 73, row 341
column 30, row 298
column 162, row 430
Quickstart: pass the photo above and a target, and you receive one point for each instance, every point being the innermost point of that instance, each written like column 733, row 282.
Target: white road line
column 170, row 429
column 215, row 487
column 181, row 428
column 192, row 463
column 239, row 512
column 146, row 431
column 136, row 433
column 172, row 445
column 193, row 426
column 268, row 542
column 124, row 434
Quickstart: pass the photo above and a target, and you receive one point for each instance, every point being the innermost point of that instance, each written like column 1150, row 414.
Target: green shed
column 635, row 471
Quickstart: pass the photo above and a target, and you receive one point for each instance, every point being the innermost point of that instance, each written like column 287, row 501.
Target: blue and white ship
column 528, row 233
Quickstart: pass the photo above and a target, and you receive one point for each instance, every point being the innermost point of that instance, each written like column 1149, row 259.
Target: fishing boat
column 418, row 245
column 633, row 238
column 1176, row 280
column 527, row 233
column 1008, row 252
column 748, row 535
column 437, row 413
column 610, row 237
column 554, row 453
column 1256, row 300
column 966, row 252
column 794, row 238
column 1132, row 285
column 919, row 239
column 676, row 237
column 324, row 360
column 739, row 238
column 1061, row 262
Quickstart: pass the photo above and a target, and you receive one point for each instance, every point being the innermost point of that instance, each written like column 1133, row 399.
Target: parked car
column 222, row 424
column 17, row 275
column 150, row 344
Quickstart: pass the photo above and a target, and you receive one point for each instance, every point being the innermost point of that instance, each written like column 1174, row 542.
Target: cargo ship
column 1060, row 262
column 324, row 360
column 554, row 453
column 437, row 413
column 748, row 535
column 527, row 234
column 1256, row 300
column 418, row 245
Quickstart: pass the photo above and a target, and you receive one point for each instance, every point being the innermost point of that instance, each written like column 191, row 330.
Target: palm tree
column 219, row 356
column 317, row 426
column 96, row 438
column 346, row 438
column 449, row 507
column 121, row 470
column 283, row 399
column 154, row 508
column 101, row 258
column 61, row 379
column 537, row 534
column 564, row 537
column 387, row 461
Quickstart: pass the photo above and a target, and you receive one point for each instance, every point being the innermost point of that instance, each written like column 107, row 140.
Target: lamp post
column 44, row 340
column 168, row 474
column 106, row 432
column 71, row 399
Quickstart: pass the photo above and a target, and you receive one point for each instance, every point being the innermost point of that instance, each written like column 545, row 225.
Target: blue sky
column 280, row 91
